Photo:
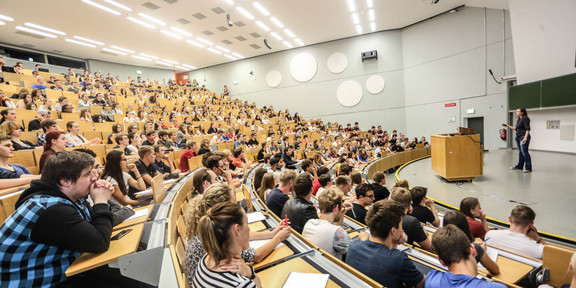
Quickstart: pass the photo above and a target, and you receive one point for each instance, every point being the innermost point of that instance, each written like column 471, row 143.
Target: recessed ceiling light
column 141, row 22
column 118, row 5
column 149, row 56
column 263, row 26
column 261, row 8
column 289, row 33
column 230, row 2
column 297, row 40
column 370, row 3
column 152, row 19
column 141, row 58
column 122, row 49
column 172, row 34
column 355, row 19
column 204, row 41
column 287, row 44
column 44, row 28
column 189, row 66
column 114, row 51
column 170, row 61
column 237, row 55
column 181, row 31
column 351, row 5
column 89, row 40
column 26, row 29
column 275, row 35
column 6, row 18
column 373, row 26
column 222, row 48
column 359, row 29
column 371, row 16
column 164, row 63
column 80, row 43
column 100, row 6
column 181, row 68
column 245, row 13
column 2, row 23
column 231, row 57
column 277, row 22
column 195, row 43
column 214, row 51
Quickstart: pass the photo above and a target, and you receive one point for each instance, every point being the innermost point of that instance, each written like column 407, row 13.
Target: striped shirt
column 207, row 278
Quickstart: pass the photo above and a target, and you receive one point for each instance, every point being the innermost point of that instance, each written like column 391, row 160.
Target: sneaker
column 527, row 171
column 514, row 168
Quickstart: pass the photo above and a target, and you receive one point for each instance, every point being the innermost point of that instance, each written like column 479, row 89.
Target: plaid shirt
column 25, row 263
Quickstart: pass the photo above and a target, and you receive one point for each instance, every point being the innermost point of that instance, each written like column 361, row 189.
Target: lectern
column 457, row 157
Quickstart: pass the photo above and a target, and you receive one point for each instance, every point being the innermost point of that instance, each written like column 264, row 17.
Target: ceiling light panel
column 172, row 34
column 29, row 30
column 100, row 6
column 277, row 36
column 88, row 40
column 181, row 31
column 54, row 31
column 170, row 61
column 237, row 55
column 277, row 22
column 245, row 12
column 141, row 58
column 223, row 49
column 189, row 66
column 352, row 5
column 230, row 2
column 371, row 16
column 152, row 19
column 164, row 63
column 122, row 49
column 195, row 43
column 287, row 44
column 263, row 26
column 289, row 33
column 370, row 3
column 373, row 26
column 299, row 41
column 230, row 57
column 6, row 18
column 141, row 22
column 80, row 43
column 355, row 18
column 214, row 51
column 204, row 41
column 261, row 8
column 149, row 56
column 114, row 51
column 359, row 29
column 123, row 7
column 181, row 68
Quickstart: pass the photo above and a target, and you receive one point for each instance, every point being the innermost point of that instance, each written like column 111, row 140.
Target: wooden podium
column 457, row 157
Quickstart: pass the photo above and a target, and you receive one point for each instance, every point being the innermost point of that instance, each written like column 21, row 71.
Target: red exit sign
column 450, row 105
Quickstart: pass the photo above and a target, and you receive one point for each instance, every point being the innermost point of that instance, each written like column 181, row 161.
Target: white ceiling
column 313, row 22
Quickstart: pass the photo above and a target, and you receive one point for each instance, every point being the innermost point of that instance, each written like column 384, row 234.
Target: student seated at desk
column 459, row 220
column 11, row 171
column 113, row 173
column 327, row 232
column 457, row 253
column 218, row 193
column 299, row 209
column 224, row 232
column 411, row 225
column 364, row 198
column 470, row 207
column 423, row 208
column 278, row 197
column 378, row 257
column 52, row 226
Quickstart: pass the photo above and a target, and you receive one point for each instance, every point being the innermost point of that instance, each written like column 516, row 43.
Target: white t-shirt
column 125, row 176
column 515, row 242
column 329, row 237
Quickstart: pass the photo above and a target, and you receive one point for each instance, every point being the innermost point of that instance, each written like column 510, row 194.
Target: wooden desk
column 118, row 248
column 137, row 220
column 510, row 271
column 277, row 275
column 274, row 257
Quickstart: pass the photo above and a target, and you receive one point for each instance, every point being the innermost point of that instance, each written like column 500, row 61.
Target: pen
column 286, row 219
column 486, row 239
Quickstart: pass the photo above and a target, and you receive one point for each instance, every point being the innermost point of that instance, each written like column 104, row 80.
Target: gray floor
column 548, row 189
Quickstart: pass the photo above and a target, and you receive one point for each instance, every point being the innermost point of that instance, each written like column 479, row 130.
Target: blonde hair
column 286, row 176
column 214, row 194
column 214, row 230
column 328, row 200
column 402, row 183
column 267, row 183
column 8, row 127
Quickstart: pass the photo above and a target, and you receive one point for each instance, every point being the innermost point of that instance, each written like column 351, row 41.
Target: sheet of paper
column 138, row 214
column 145, row 192
column 255, row 217
column 308, row 280
column 259, row 243
column 492, row 254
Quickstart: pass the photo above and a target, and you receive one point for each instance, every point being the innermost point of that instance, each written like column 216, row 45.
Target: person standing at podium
column 522, row 140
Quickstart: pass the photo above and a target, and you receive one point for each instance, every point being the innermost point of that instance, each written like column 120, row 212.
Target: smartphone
column 121, row 234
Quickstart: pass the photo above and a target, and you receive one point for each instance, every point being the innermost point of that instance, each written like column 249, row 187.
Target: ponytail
column 214, row 230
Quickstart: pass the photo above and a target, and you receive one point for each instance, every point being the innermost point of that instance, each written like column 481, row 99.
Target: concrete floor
column 548, row 189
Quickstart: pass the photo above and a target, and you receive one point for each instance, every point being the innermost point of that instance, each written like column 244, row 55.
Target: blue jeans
column 523, row 155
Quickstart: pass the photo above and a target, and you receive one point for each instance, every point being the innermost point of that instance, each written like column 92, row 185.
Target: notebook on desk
column 308, row 280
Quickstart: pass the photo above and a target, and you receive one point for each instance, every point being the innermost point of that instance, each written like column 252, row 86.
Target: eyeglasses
column 370, row 196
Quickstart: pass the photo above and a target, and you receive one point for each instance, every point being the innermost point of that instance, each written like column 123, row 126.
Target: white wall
column 127, row 70
column 549, row 139
column 446, row 61
column 544, row 38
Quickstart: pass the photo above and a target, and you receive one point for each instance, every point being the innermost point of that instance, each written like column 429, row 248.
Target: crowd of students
column 56, row 214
